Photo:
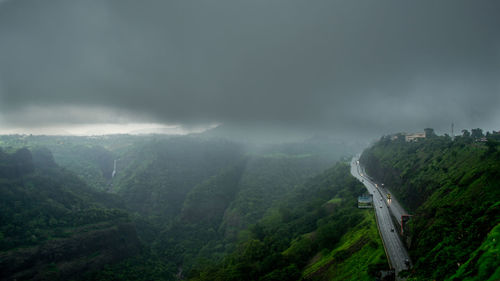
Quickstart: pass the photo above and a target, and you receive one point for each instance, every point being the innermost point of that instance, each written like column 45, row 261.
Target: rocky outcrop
column 89, row 249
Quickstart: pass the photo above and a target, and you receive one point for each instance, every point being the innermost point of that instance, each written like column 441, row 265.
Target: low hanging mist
column 286, row 68
column 262, row 140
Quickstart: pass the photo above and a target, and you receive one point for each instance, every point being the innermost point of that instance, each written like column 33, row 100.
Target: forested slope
column 192, row 199
column 52, row 225
column 217, row 212
column 316, row 233
column 90, row 158
column 155, row 177
column 210, row 216
column 452, row 189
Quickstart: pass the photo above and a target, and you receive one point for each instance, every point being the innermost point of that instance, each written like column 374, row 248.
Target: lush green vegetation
column 40, row 201
column 195, row 202
column 51, row 220
column 452, row 189
column 358, row 256
column 154, row 177
column 306, row 237
column 188, row 220
column 208, row 211
column 483, row 262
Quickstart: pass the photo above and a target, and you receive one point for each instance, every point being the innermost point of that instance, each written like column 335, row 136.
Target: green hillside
column 358, row 256
column 90, row 158
column 195, row 202
column 307, row 237
column 155, row 177
column 193, row 198
column 52, row 225
column 452, row 189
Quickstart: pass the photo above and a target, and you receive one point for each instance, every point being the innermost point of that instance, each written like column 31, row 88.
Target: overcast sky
column 307, row 66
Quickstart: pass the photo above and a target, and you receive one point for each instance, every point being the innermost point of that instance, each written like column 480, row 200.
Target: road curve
column 394, row 207
column 394, row 247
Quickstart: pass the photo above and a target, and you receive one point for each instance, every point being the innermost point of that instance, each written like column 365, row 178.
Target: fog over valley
column 262, row 140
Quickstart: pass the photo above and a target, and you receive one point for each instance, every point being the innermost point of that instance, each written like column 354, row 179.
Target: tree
column 492, row 146
column 477, row 133
column 465, row 133
column 429, row 132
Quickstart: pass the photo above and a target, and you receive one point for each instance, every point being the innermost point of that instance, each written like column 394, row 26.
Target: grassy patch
column 350, row 260
column 335, row 200
column 484, row 262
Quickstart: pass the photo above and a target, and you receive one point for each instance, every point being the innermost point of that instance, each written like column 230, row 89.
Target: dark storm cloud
column 379, row 66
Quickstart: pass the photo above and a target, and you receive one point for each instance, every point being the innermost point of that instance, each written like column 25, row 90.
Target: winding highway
column 394, row 247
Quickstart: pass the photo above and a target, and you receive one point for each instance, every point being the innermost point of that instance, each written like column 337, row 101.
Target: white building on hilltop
column 414, row 137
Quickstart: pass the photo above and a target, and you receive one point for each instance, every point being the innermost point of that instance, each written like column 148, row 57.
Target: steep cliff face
column 66, row 258
column 157, row 176
column 315, row 233
column 451, row 188
column 52, row 225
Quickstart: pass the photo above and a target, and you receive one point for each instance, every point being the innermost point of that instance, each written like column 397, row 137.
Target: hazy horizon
column 288, row 68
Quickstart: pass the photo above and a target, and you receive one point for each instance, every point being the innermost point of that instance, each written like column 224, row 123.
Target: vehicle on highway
column 389, row 196
column 407, row 262
column 392, row 229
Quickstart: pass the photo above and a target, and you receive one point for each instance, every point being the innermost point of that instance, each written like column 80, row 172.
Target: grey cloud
column 377, row 66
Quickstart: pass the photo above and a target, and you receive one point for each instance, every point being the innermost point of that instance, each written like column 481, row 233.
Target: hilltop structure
column 414, row 137
column 411, row 137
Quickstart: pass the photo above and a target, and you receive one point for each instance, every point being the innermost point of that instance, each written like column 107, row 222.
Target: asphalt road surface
column 394, row 207
column 394, row 247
